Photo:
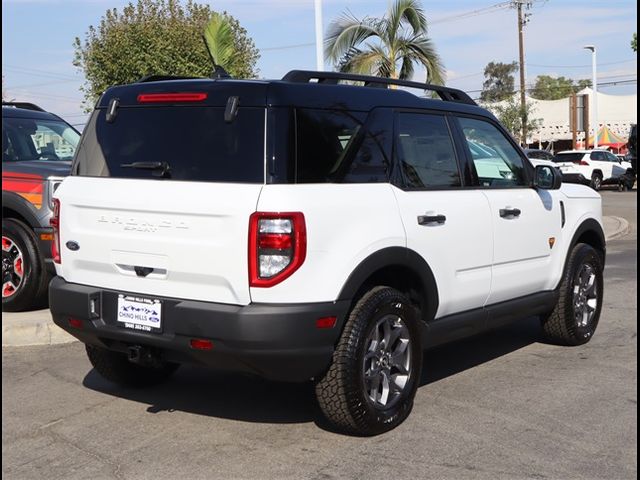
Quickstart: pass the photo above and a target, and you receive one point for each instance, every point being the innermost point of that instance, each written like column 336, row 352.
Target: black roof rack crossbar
column 445, row 93
column 24, row 105
column 163, row 78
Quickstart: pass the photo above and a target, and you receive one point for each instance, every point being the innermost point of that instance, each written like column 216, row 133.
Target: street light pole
column 319, row 37
column 594, row 106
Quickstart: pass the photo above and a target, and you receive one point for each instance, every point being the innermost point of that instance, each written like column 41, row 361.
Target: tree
column 155, row 37
column 499, row 81
column 634, row 43
column 510, row 113
column 547, row 87
column 385, row 47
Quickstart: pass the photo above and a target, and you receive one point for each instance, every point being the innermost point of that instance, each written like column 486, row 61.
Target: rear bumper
column 278, row 342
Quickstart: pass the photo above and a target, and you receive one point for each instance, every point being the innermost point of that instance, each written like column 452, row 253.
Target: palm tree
column 385, row 47
column 218, row 36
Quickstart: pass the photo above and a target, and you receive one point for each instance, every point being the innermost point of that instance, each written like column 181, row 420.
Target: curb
column 32, row 328
column 37, row 328
column 618, row 227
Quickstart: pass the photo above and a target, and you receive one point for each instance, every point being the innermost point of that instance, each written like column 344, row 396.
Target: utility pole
column 523, row 100
column 319, row 36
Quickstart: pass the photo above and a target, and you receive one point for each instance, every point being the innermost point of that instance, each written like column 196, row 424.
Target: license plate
column 138, row 313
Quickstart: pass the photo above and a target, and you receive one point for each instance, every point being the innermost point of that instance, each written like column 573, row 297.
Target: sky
column 37, row 38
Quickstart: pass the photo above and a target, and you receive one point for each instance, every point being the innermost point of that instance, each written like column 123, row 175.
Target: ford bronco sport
column 37, row 148
column 304, row 229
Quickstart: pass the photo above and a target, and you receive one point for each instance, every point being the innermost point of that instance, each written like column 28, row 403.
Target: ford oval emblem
column 71, row 245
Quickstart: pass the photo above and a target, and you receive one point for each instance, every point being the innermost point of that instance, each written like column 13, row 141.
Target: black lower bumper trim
column 278, row 342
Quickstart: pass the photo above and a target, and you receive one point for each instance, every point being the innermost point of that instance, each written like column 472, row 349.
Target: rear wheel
column 371, row 383
column 596, row 181
column 24, row 277
column 115, row 367
column 575, row 317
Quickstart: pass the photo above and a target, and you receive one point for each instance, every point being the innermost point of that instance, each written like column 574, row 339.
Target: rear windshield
column 568, row 157
column 174, row 143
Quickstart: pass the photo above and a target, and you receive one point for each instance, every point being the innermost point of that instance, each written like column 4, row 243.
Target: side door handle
column 509, row 212
column 431, row 220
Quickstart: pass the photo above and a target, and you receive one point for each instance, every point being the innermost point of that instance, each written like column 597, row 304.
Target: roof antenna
column 218, row 71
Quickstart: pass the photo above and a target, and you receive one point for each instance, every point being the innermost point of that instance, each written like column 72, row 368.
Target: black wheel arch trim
column 13, row 201
column 395, row 257
column 590, row 225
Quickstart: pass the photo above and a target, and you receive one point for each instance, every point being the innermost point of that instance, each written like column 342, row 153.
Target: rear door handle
column 510, row 212
column 431, row 220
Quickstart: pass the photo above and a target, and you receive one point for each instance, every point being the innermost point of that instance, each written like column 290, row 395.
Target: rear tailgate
column 193, row 235
column 160, row 194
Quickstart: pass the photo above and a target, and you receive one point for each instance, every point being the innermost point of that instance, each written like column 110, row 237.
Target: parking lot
column 500, row 405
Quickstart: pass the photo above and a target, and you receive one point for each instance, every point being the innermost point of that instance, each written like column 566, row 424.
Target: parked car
column 632, row 146
column 533, row 154
column 37, row 148
column 593, row 167
column 306, row 230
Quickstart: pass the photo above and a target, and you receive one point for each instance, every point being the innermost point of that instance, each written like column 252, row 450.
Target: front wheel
column 372, row 381
column 575, row 317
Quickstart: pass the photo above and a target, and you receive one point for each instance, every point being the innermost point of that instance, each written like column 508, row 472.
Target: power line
column 39, row 73
column 581, row 66
column 472, row 13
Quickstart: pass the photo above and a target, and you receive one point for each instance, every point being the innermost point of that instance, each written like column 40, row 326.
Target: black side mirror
column 547, row 178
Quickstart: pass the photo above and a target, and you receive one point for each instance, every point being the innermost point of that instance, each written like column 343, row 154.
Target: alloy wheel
column 12, row 267
column 585, row 295
column 387, row 362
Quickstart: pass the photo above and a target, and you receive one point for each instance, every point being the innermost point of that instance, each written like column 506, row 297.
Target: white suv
column 305, row 230
column 593, row 167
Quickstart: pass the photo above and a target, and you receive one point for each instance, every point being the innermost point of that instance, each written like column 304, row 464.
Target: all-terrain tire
column 115, row 367
column 341, row 393
column 31, row 291
column 563, row 325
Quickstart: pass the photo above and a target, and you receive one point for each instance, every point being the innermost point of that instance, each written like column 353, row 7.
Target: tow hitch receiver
column 144, row 356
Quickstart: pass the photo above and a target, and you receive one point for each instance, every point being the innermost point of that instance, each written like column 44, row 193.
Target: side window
column 425, row 151
column 611, row 157
column 333, row 147
column 497, row 161
column 598, row 156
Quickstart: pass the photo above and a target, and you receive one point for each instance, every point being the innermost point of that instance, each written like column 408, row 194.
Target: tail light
column 277, row 247
column 584, row 163
column 55, row 224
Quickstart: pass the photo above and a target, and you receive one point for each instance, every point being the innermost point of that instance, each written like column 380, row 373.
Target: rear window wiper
column 160, row 169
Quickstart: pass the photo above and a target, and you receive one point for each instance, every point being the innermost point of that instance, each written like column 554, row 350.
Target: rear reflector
column 200, row 344
column 326, row 322
column 171, row 97
column 75, row 322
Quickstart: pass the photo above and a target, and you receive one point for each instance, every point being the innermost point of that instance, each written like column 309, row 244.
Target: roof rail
column 445, row 93
column 24, row 105
column 163, row 78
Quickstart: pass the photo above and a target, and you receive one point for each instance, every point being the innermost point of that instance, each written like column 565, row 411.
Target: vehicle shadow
column 242, row 397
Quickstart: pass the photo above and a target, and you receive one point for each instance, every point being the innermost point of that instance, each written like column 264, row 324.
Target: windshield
column 174, row 143
column 27, row 139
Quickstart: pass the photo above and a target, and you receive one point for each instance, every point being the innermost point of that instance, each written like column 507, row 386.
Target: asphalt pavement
column 500, row 405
